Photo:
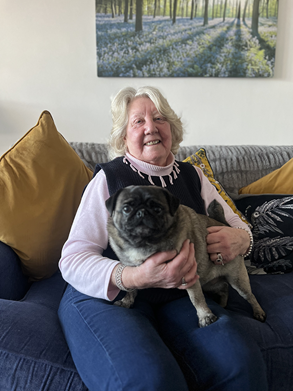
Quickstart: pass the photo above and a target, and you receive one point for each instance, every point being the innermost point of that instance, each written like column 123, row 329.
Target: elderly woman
column 156, row 345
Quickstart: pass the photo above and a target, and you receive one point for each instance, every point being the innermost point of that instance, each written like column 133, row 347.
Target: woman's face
column 148, row 134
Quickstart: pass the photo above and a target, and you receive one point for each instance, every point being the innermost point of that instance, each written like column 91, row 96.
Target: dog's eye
column 127, row 209
column 157, row 209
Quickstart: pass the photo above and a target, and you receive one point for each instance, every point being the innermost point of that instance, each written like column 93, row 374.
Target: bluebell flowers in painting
column 216, row 38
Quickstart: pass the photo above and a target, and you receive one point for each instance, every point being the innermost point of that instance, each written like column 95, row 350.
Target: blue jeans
column 158, row 346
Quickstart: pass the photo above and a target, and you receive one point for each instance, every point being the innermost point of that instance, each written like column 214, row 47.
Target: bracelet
column 118, row 278
column 248, row 252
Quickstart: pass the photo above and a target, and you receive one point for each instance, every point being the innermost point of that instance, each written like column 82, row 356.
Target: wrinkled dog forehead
column 141, row 194
column 136, row 195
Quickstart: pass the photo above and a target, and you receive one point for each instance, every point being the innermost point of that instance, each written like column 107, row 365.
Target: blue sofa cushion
column 33, row 352
column 13, row 283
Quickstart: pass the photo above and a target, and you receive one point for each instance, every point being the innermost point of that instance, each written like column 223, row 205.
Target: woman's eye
column 138, row 121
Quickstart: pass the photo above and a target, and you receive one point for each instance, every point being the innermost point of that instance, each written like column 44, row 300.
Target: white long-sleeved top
column 82, row 264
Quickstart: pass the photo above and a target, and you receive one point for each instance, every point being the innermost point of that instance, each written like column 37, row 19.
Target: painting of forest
column 186, row 38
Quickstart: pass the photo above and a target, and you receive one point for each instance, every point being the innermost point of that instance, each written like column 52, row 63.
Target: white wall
column 48, row 62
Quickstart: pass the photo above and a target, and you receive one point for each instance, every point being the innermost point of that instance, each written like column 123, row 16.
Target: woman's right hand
column 164, row 270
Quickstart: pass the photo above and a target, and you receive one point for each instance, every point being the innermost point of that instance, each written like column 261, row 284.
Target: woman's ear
column 125, row 142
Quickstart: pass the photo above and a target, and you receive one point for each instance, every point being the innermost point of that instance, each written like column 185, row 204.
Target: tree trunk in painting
column 138, row 19
column 192, row 9
column 155, row 8
column 244, row 11
column 255, row 16
column 206, row 13
column 174, row 11
column 225, row 8
column 239, row 11
column 112, row 9
column 131, row 10
column 276, row 8
column 267, row 11
column 126, row 11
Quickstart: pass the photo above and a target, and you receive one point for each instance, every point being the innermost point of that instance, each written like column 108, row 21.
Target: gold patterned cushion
column 200, row 160
column 41, row 183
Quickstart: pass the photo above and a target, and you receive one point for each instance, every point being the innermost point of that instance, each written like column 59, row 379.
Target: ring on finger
column 183, row 282
column 220, row 259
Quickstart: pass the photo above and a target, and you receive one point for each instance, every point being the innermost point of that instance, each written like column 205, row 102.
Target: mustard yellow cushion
column 277, row 182
column 200, row 160
column 41, row 183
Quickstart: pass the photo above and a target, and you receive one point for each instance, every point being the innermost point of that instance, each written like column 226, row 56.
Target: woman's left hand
column 227, row 241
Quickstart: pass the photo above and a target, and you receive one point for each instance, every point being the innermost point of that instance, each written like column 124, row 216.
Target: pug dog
column 145, row 220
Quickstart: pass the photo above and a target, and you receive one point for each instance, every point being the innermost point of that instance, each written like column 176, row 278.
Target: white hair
column 119, row 109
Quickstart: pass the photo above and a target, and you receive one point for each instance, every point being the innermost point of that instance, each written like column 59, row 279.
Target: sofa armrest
column 13, row 283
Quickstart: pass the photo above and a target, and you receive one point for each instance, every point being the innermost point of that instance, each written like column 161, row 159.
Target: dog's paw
column 260, row 315
column 207, row 320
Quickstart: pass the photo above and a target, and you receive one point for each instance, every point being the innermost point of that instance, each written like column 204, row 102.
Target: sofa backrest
column 234, row 166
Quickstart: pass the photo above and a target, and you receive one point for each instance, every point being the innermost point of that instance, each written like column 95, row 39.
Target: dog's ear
column 216, row 212
column 111, row 201
column 173, row 202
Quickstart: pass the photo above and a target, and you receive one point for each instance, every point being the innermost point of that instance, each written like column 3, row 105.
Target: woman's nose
column 150, row 126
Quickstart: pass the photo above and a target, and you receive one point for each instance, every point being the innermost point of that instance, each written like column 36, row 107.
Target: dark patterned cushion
column 271, row 217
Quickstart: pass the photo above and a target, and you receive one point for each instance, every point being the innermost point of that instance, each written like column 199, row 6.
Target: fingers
column 218, row 245
column 226, row 241
column 182, row 258
column 215, row 242
column 163, row 257
column 219, row 255
column 218, row 259
column 188, row 269
column 215, row 228
column 189, row 279
column 215, row 236
column 166, row 269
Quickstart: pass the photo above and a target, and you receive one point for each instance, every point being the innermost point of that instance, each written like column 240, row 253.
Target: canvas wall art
column 186, row 38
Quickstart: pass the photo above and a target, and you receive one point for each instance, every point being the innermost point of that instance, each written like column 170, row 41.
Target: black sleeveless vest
column 186, row 187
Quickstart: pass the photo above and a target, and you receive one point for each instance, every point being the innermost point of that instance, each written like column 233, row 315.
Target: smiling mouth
column 153, row 142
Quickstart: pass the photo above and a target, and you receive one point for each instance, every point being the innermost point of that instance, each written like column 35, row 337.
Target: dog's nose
column 140, row 213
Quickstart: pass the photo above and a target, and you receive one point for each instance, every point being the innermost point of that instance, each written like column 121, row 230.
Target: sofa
column 34, row 355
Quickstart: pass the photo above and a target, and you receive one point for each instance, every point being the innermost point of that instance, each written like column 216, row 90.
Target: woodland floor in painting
column 185, row 49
